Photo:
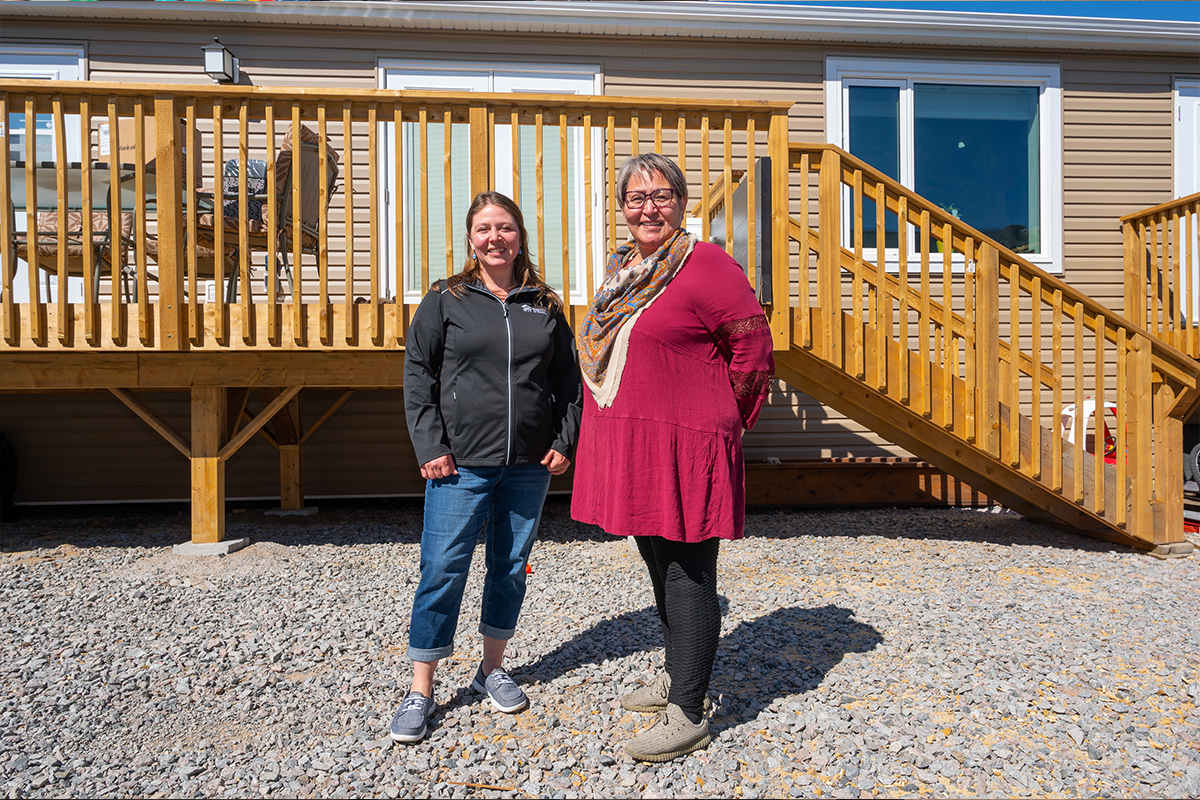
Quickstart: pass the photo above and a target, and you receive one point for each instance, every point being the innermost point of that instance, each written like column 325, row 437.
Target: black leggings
column 684, row 575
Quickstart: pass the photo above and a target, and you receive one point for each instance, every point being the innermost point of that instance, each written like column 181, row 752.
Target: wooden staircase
column 968, row 356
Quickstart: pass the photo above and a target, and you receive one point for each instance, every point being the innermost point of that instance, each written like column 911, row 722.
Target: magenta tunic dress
column 665, row 459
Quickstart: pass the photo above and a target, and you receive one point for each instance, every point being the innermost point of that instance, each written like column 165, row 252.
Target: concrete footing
column 210, row 548
column 1176, row 550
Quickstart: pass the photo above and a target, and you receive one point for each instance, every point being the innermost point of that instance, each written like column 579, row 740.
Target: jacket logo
column 533, row 309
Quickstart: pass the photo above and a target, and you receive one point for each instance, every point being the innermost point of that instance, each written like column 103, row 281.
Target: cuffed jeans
column 506, row 504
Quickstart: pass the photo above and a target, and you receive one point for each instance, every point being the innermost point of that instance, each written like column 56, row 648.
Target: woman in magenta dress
column 676, row 353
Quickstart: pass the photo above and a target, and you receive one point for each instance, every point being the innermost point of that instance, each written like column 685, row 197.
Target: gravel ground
column 880, row 653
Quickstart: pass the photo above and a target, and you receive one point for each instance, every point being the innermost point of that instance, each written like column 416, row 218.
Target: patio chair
column 46, row 240
column 261, row 218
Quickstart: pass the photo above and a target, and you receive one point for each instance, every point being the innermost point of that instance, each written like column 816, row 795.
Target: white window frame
column 45, row 62
column 841, row 73
column 505, row 77
column 1185, row 125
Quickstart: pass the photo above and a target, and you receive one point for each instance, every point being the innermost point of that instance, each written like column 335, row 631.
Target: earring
column 474, row 256
column 520, row 250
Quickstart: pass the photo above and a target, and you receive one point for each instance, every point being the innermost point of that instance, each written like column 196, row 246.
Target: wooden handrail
column 1170, row 205
column 1176, row 363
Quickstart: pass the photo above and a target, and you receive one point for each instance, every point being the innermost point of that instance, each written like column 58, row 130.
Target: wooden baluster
column 971, row 433
column 564, row 209
column 751, row 209
column 589, row 266
column 1056, row 445
column 515, row 123
column 611, row 144
column 1014, row 385
column 1121, row 512
column 373, row 305
column 348, row 331
column 246, row 298
column 705, row 186
column 423, row 203
column 448, row 222
column 782, row 320
column 63, row 315
column 1099, row 392
column 220, row 295
column 727, row 175
column 195, row 321
column 882, row 318
column 539, row 157
column 398, row 287
column 657, row 131
column 949, row 348
column 634, row 135
column 924, row 401
column 90, row 318
column 1168, row 466
column 856, row 281
column 139, row 204
column 804, row 309
column 273, row 312
column 7, row 229
column 1154, row 323
column 903, row 300
column 1079, row 426
column 325, row 309
column 1035, row 353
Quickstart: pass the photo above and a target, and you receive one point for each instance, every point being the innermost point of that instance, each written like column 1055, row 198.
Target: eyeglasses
column 659, row 197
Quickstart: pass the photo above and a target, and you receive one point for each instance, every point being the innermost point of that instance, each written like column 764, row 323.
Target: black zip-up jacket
column 492, row 382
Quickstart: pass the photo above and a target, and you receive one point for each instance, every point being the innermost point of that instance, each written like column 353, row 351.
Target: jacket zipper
column 508, row 373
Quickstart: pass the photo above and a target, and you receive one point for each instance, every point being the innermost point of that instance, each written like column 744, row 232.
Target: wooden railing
column 990, row 352
column 1162, row 271
column 349, row 288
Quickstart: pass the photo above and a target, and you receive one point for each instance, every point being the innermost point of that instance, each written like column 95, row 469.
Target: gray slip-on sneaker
column 672, row 735
column 502, row 690
column 411, row 720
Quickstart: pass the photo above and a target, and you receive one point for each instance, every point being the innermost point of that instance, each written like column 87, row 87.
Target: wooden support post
column 208, row 468
column 285, row 427
column 987, row 349
column 291, row 478
column 172, row 315
column 829, row 265
column 1168, row 466
column 481, row 150
column 781, row 312
column 1135, row 275
column 1141, row 439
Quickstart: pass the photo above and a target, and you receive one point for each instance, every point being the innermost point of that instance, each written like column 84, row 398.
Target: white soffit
column 721, row 20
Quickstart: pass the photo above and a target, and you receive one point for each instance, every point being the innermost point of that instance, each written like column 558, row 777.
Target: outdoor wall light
column 220, row 64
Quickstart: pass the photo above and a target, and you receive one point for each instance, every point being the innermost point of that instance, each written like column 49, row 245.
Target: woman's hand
column 440, row 467
column 556, row 462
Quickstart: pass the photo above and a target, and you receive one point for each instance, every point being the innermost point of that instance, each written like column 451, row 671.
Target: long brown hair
column 524, row 270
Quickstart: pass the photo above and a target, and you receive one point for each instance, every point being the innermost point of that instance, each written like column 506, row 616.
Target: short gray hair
column 645, row 166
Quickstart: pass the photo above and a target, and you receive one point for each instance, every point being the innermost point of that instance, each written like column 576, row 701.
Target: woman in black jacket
column 492, row 397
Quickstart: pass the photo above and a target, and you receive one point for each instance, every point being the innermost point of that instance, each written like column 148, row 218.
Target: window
column 445, row 247
column 50, row 64
column 979, row 140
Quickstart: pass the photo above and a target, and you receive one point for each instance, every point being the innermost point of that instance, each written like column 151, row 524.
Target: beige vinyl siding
column 1116, row 135
column 91, row 448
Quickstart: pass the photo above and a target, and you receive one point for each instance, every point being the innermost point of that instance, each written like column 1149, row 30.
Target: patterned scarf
column 626, row 293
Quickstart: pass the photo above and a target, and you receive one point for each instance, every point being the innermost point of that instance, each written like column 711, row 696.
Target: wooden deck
column 949, row 345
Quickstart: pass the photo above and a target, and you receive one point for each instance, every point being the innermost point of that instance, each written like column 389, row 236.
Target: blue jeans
column 506, row 504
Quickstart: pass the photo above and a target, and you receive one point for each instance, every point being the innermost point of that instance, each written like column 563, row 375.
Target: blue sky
column 1188, row 10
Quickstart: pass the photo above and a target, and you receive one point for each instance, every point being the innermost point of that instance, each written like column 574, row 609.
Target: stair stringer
column 931, row 441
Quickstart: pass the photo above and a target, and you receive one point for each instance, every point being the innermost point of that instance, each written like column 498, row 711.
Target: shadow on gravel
column 337, row 521
column 786, row 652
column 983, row 526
